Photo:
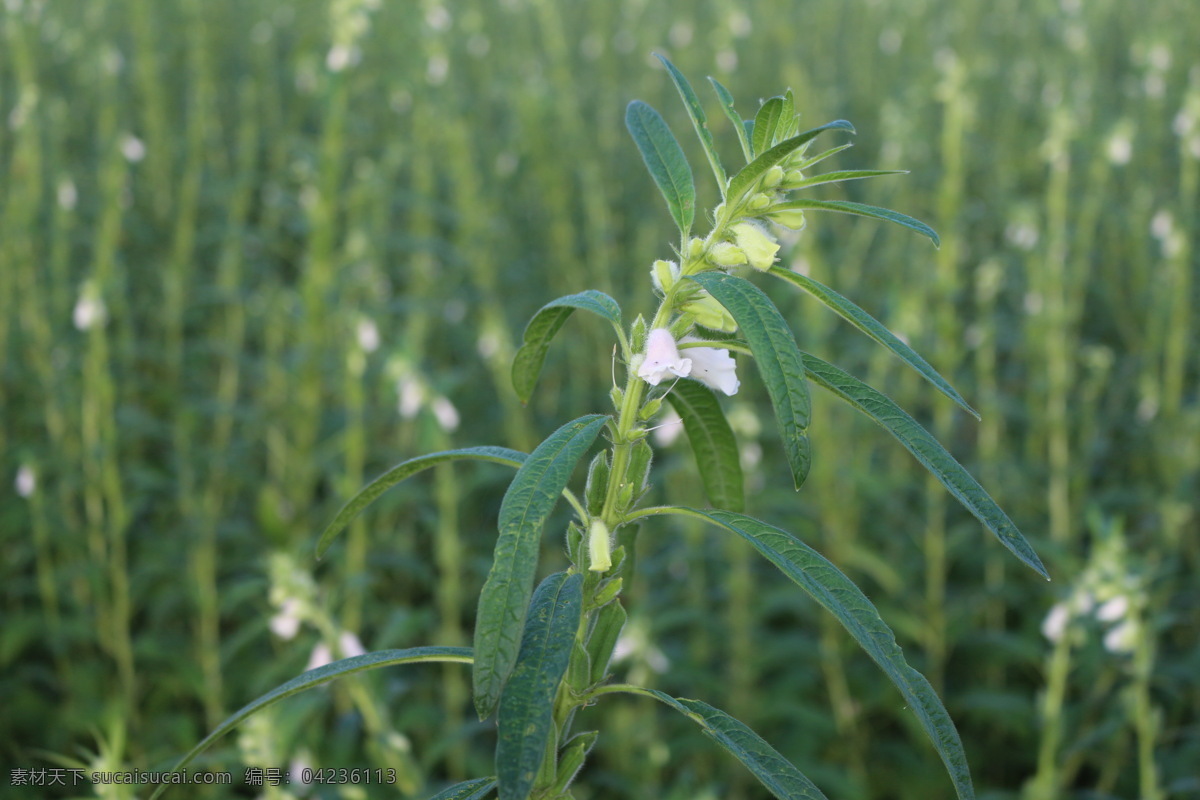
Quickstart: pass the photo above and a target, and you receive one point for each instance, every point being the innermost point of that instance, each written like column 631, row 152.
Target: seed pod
column 609, row 622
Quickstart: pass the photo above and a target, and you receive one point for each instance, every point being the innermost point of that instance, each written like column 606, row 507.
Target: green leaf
column 665, row 160
column 527, row 364
column 406, row 469
column 929, row 452
column 523, row 511
column 475, row 789
column 741, row 182
column 777, row 357
column 773, row 770
column 712, row 442
column 845, row 175
column 738, row 125
column 699, row 121
column 318, row 677
column 837, row 594
column 847, row 207
column 765, row 122
column 789, row 123
column 527, row 705
column 871, row 327
column 819, row 157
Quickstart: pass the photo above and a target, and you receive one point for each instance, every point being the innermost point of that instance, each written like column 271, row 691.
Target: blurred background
column 254, row 252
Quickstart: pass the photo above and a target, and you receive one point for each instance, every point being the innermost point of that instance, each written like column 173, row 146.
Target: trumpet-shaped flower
column 758, row 245
column 662, row 358
column 713, row 367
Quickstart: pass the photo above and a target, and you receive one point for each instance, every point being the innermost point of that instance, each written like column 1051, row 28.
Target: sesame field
column 254, row 253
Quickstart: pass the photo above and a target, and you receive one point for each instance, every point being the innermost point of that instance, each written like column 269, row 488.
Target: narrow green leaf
column 777, row 357
column 845, row 175
column 918, row 441
column 523, row 511
column 712, row 442
column 847, row 207
column 318, row 677
column 872, row 327
column 789, row 123
column 527, row 705
column 475, row 789
column 740, row 183
column 738, row 125
column 699, row 121
column 837, row 594
column 773, row 770
column 406, row 469
column 665, row 160
column 819, row 157
column 765, row 122
column 542, row 327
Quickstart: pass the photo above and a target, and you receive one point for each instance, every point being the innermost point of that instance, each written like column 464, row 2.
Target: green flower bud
column 599, row 547
column 711, row 314
column 792, row 177
column 724, row 254
column 695, row 249
column 773, row 177
column 759, row 202
column 664, row 274
column 650, row 409
column 791, row 218
column 759, row 246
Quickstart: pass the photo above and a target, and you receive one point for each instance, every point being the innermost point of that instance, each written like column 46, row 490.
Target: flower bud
column 772, row 177
column 758, row 202
column 758, row 245
column 791, row 218
column 664, row 274
column 599, row 547
column 724, row 254
column 793, row 177
column 711, row 314
column 695, row 249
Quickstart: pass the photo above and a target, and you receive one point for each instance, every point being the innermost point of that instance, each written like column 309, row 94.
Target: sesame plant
column 541, row 654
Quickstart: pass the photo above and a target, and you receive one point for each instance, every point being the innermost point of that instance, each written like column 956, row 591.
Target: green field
column 255, row 252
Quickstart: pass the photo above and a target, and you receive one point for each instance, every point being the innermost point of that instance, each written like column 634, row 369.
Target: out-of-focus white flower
column 758, row 245
column 349, row 645
column 713, row 367
column 1120, row 148
column 26, row 481
column 445, row 413
column 89, row 308
column 286, row 623
column 410, row 392
column 1120, row 639
column 321, row 655
column 669, row 429
column 662, row 358
column 437, row 69
column 133, row 148
column 368, row 335
column 1114, row 609
column 1056, row 622
column 339, row 57
column 66, row 194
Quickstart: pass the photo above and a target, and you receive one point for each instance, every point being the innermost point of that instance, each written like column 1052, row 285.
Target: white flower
column 599, row 547
column 89, row 308
column 1121, row 638
column 368, row 335
column 133, row 148
column 1056, row 622
column 714, row 368
column 286, row 624
column 26, row 480
column 662, row 357
column 445, row 413
column 321, row 655
column 350, row 646
column 1113, row 609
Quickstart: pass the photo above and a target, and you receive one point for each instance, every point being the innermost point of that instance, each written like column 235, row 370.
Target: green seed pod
column 574, row 753
column 639, row 467
column 597, row 483
column 650, row 409
column 607, row 592
column 609, row 622
column 579, row 668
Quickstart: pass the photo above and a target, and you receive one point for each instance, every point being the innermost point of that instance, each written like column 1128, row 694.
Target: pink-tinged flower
column 714, row 368
column 662, row 358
